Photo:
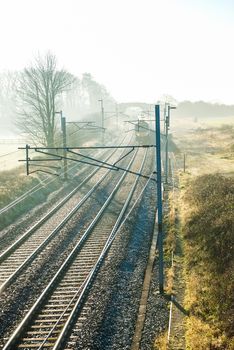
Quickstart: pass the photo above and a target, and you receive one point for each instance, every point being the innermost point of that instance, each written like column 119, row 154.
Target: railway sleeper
column 51, row 321
column 78, row 271
column 55, row 306
column 54, row 311
column 71, row 278
column 53, row 315
column 29, row 346
column 46, row 326
column 70, row 284
column 31, row 333
column 8, row 269
column 4, row 275
column 63, row 292
column 70, row 287
column 36, row 339
column 62, row 296
column 57, row 300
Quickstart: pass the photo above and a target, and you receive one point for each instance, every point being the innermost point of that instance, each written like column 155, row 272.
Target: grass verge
column 13, row 185
column 207, row 226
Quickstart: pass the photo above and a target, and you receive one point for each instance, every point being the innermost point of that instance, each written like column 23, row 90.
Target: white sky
column 139, row 49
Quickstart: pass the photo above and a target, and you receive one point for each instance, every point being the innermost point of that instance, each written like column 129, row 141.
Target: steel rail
column 48, row 215
column 27, row 319
column 15, row 245
column 87, row 284
column 31, row 257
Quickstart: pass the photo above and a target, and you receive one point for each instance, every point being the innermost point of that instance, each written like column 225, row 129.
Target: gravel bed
column 157, row 313
column 116, row 293
column 21, row 295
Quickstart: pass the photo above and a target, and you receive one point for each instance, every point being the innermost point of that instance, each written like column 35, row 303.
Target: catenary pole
column 166, row 150
column 64, row 135
column 63, row 126
column 159, row 196
column 27, row 160
column 167, row 125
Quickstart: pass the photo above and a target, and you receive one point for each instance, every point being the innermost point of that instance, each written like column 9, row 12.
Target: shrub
column 209, row 237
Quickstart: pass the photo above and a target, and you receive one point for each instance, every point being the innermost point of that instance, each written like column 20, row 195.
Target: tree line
column 30, row 98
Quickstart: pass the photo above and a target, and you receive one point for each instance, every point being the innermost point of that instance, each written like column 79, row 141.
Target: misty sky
column 139, row 49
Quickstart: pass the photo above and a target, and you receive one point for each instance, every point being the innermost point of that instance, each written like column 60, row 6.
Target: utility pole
column 159, row 196
column 166, row 149
column 165, row 115
column 167, row 125
column 27, row 159
column 64, row 135
column 102, row 119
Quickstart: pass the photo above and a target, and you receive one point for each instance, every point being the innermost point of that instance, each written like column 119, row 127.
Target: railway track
column 22, row 252
column 48, row 321
column 90, row 325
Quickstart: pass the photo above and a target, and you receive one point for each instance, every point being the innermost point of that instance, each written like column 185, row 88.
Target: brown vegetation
column 14, row 183
column 209, row 251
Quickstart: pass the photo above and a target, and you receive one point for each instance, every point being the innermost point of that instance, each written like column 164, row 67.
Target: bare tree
column 40, row 88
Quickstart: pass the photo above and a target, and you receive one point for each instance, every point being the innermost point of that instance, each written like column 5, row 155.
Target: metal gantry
column 52, row 152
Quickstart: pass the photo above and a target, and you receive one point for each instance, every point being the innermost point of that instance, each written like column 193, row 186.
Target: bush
column 209, row 237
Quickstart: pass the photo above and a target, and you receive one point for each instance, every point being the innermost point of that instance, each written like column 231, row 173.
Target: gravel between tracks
column 115, row 296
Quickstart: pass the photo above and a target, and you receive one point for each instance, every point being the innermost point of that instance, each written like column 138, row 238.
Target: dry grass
column 14, row 183
column 202, row 336
column 208, row 149
column 161, row 342
column 170, row 242
column 207, row 219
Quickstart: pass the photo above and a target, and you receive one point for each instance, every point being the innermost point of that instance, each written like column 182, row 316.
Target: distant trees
column 39, row 90
column 30, row 98
column 201, row 109
column 95, row 91
column 81, row 101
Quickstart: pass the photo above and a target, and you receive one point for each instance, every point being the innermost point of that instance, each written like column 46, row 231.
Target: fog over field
column 117, row 56
column 121, row 52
